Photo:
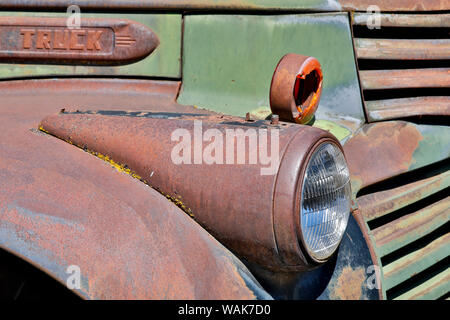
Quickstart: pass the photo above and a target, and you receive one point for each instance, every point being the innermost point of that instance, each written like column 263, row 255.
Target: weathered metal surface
column 378, row 204
column 54, row 94
column 405, row 230
column 227, row 66
column 47, row 40
column 410, row 227
column 434, row 288
column 164, row 61
column 272, row 5
column 424, row 147
column 296, row 88
column 417, row 261
column 346, row 276
column 404, row 20
column 353, row 278
column 404, row 103
column 376, row 259
column 258, row 220
column 407, row 78
column 402, row 49
column 61, row 206
column 393, row 147
column 378, row 110
column 397, row 5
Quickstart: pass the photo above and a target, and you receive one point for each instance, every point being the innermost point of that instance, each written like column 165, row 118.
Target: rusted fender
column 356, row 275
column 349, row 275
column 386, row 149
column 60, row 206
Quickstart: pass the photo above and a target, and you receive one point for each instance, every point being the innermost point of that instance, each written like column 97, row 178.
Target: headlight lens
column 325, row 204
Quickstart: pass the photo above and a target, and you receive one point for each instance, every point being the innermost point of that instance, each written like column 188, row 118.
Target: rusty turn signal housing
column 296, row 88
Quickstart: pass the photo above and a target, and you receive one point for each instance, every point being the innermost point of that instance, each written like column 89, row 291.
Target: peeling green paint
column 434, row 146
column 338, row 131
column 261, row 112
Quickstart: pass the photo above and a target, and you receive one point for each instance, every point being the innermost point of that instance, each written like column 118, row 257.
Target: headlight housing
column 257, row 216
column 325, row 201
column 311, row 200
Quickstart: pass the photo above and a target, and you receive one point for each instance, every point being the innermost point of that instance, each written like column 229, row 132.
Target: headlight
column 325, row 201
column 289, row 220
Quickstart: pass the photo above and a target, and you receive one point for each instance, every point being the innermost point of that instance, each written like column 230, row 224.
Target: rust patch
column 104, row 41
column 348, row 285
column 380, row 151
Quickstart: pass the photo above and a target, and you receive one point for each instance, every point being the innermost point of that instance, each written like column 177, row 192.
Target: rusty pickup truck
column 216, row 149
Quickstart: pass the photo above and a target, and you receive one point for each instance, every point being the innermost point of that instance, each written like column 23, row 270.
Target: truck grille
column 408, row 222
column 404, row 70
column 404, row 66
